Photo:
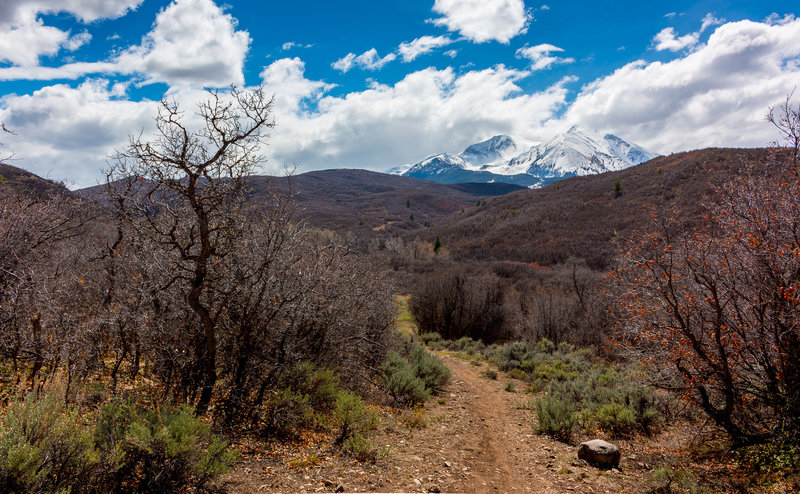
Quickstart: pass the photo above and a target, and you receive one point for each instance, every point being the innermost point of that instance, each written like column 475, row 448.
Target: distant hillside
column 25, row 181
column 358, row 199
column 582, row 216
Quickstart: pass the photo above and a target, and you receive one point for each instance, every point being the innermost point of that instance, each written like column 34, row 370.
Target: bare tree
column 182, row 194
column 221, row 290
column 715, row 311
column 40, row 282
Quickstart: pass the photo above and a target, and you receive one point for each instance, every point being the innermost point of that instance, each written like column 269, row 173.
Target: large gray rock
column 599, row 453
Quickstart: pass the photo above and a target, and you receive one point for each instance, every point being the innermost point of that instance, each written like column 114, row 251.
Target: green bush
column 305, row 394
column 427, row 338
column 556, row 418
column 288, row 412
column 413, row 380
column 511, row 386
column 616, row 419
column 467, row 345
column 159, row 450
column 355, row 424
column 641, row 401
column 429, row 368
column 401, row 380
column 44, row 447
column 518, row 374
column 664, row 480
column 604, row 395
column 490, row 373
column 545, row 346
column 770, row 458
column 320, row 385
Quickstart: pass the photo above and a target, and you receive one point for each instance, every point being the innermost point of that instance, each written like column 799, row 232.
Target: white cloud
column 291, row 44
column 67, row 133
column 68, row 71
column 371, row 61
column 192, row 42
column 422, row 45
column 24, row 37
column 284, row 78
column 540, row 56
column 85, row 10
column 667, row 38
column 433, row 109
column 483, row 20
column 368, row 60
column 709, row 20
column 345, row 63
column 451, row 53
column 714, row 96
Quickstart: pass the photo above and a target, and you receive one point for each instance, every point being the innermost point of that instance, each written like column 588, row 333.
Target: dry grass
column 404, row 322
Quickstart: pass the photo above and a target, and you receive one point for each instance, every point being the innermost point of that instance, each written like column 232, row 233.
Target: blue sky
column 379, row 84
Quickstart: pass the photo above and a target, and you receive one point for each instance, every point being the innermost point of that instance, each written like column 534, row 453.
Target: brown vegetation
column 582, row 217
column 720, row 301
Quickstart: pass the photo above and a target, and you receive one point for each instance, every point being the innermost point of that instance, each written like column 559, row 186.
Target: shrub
column 45, row 448
column 511, row 386
column 490, row 373
column 430, row 369
column 288, row 412
column 664, row 480
column 641, row 401
column 320, row 385
column 427, row 338
column 413, row 380
column 467, row 345
column 415, row 418
column 545, row 346
column 160, row 450
column 401, row 380
column 616, row 419
column 305, row 393
column 356, row 423
column 556, row 418
column 518, row 374
column 771, row 459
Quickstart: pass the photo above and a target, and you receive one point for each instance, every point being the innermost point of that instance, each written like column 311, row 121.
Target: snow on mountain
column 399, row 170
column 491, row 150
column 577, row 152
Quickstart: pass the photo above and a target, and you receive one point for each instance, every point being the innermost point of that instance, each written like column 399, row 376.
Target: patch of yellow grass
column 404, row 322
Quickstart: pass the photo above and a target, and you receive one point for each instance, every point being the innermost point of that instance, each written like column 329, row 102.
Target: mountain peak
column 493, row 149
column 579, row 151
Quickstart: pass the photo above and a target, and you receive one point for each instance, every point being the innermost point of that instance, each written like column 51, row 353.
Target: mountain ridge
column 577, row 152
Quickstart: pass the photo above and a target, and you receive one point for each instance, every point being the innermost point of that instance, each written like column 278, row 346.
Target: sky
column 373, row 85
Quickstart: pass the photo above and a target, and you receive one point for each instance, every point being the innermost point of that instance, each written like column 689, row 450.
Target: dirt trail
column 477, row 437
column 507, row 456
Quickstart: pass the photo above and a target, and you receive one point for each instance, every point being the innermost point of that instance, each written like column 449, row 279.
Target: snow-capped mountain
column 577, row 152
column 491, row 150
